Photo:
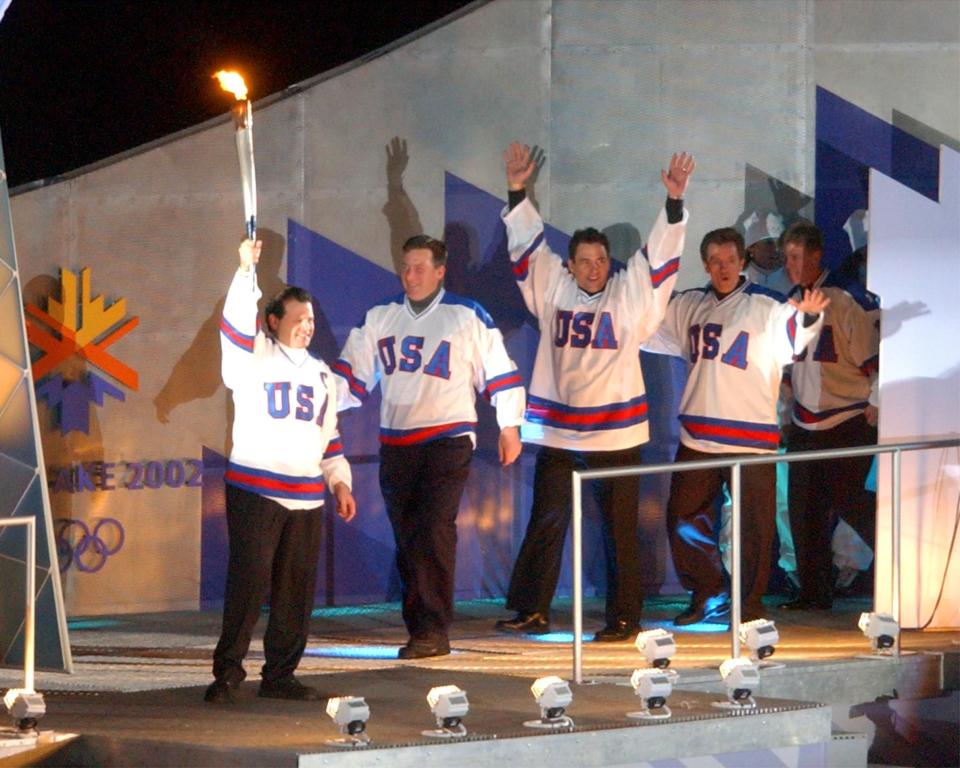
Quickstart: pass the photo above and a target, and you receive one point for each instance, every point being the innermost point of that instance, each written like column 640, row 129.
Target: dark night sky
column 81, row 80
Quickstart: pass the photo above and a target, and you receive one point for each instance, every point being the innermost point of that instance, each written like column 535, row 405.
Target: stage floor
column 136, row 695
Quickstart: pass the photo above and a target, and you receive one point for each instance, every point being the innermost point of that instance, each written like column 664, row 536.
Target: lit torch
column 243, row 122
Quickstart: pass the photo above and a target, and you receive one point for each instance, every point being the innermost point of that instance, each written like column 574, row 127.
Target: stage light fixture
column 553, row 695
column 741, row 677
column 760, row 636
column 26, row 707
column 881, row 629
column 657, row 646
column 350, row 713
column 653, row 687
column 449, row 705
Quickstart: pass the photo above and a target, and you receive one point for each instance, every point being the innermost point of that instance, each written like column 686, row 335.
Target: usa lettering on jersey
column 576, row 329
column 278, row 400
column 411, row 356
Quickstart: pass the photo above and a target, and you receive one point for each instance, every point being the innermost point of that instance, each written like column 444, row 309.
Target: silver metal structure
column 896, row 449
column 29, row 613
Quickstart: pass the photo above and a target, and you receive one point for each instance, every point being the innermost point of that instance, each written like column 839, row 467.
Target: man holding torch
column 286, row 450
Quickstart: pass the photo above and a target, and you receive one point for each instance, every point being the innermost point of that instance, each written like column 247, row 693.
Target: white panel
column 915, row 268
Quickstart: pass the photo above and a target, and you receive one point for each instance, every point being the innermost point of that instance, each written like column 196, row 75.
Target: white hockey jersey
column 735, row 348
column 429, row 367
column 587, row 391
column 285, row 441
column 835, row 378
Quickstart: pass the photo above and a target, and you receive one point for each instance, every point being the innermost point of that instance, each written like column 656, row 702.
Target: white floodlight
column 741, row 677
column 553, row 695
column 26, row 707
column 881, row 629
column 653, row 686
column 350, row 713
column 449, row 705
column 760, row 636
column 657, row 646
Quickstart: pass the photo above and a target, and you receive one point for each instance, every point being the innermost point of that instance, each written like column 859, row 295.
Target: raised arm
column 250, row 254
column 238, row 326
column 535, row 267
column 677, row 174
column 519, row 164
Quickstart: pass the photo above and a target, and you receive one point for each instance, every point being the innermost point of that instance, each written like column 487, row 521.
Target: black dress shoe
column 535, row 623
column 423, row 649
column 694, row 614
column 287, row 688
column 806, row 604
column 218, row 692
column 620, row 630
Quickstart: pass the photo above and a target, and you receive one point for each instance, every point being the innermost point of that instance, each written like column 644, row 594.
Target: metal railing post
column 736, row 569
column 895, row 543
column 577, row 580
column 735, row 465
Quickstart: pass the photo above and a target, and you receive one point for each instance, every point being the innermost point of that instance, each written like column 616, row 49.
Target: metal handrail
column 29, row 636
column 735, row 464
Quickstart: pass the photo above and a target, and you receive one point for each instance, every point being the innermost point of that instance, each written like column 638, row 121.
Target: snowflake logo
column 79, row 329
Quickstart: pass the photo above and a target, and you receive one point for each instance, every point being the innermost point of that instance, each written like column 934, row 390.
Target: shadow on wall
column 196, row 375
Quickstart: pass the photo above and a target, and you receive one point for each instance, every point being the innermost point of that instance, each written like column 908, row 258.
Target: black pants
column 692, row 527
column 537, row 570
column 270, row 546
column 822, row 490
column 421, row 486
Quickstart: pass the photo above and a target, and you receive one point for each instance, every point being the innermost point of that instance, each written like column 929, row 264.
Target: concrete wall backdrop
column 607, row 89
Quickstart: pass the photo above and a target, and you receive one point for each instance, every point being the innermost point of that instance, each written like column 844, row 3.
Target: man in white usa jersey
column 736, row 337
column 835, row 406
column 587, row 407
column 430, row 351
column 286, row 451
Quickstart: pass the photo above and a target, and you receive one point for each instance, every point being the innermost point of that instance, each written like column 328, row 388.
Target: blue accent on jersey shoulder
column 762, row 290
column 456, row 300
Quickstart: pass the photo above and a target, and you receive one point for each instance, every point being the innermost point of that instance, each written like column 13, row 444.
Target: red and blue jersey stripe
column 242, row 340
column 275, row 484
column 870, row 366
column 502, row 383
column 729, row 432
column 661, row 273
column 357, row 387
column 590, row 419
column 426, row 434
column 334, row 447
column 792, row 330
column 521, row 267
column 806, row 416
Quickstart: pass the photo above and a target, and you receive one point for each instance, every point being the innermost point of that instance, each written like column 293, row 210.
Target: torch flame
column 233, row 83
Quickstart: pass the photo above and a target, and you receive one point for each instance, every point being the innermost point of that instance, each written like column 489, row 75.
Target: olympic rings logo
column 88, row 550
